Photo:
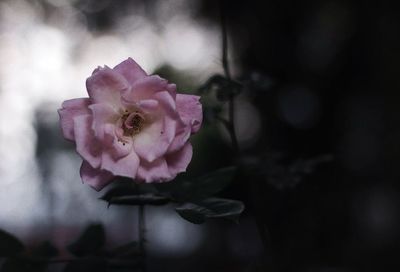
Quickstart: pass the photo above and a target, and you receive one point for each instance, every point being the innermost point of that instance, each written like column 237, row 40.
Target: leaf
column 91, row 240
column 144, row 199
column 190, row 190
column 211, row 82
column 9, row 245
column 197, row 213
column 128, row 193
column 193, row 213
column 121, row 190
column 87, row 264
column 225, row 88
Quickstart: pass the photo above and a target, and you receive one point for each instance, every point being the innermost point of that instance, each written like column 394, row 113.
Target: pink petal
column 102, row 114
column 105, row 85
column 153, row 141
column 190, row 110
column 86, row 144
column 168, row 103
column 156, row 171
column 178, row 161
column 68, row 111
column 130, row 70
column 181, row 137
column 96, row 178
column 126, row 166
column 171, row 88
column 148, row 105
column 144, row 88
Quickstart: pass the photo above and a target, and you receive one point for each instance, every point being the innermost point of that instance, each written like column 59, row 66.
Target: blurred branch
column 142, row 238
column 227, row 73
column 225, row 64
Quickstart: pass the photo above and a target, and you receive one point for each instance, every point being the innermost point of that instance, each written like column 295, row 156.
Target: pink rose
column 132, row 125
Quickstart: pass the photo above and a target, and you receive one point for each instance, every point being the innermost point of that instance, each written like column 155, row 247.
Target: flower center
column 132, row 123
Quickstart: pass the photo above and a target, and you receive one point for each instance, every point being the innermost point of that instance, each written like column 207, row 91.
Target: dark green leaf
column 119, row 190
column 9, row 245
column 90, row 241
column 193, row 213
column 198, row 212
column 22, row 265
column 214, row 80
column 225, row 88
column 145, row 199
column 189, row 190
column 87, row 264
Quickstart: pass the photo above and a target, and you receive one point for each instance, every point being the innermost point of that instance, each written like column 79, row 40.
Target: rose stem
column 262, row 228
column 142, row 238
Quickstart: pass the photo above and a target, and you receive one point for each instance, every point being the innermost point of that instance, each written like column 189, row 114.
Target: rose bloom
column 132, row 125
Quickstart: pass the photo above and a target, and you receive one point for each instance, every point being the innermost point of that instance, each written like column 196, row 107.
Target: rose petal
column 86, row 144
column 126, row 166
column 156, row 171
column 130, row 70
column 144, row 88
column 105, row 85
column 153, row 141
column 171, row 88
column 168, row 103
column 117, row 147
column 190, row 110
column 96, row 178
column 181, row 137
column 70, row 109
column 102, row 114
column 148, row 105
column 178, row 161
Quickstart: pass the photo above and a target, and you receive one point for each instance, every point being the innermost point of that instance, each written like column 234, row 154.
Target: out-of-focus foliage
column 192, row 195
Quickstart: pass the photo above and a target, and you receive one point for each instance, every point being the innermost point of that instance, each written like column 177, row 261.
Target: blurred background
column 311, row 116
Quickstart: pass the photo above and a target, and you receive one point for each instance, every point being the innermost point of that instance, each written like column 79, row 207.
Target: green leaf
column 121, row 190
column 225, row 88
column 129, row 193
column 197, row 213
column 91, row 240
column 144, row 199
column 193, row 213
column 9, row 245
column 190, row 190
column 211, row 83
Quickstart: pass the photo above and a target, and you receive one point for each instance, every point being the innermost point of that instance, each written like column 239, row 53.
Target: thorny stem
column 142, row 238
column 230, row 125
